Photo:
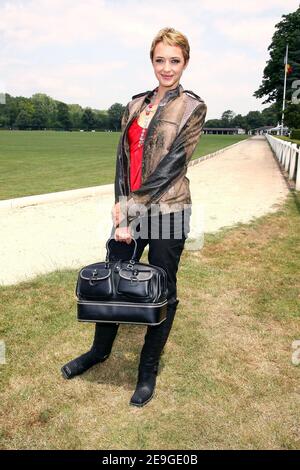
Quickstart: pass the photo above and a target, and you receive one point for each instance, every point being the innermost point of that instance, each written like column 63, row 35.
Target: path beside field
column 237, row 185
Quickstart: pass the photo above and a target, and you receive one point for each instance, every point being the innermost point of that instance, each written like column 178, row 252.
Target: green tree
column 45, row 111
column 39, row 119
column 272, row 87
column 227, row 118
column 292, row 116
column 23, row 120
column 88, row 119
column 75, row 114
column 254, row 119
column 102, row 120
column 271, row 115
column 213, row 123
column 4, row 113
column 41, row 111
column 11, row 110
column 115, row 113
column 63, row 118
column 239, row 121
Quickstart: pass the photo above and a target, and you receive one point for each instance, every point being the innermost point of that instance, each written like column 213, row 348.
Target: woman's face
column 168, row 64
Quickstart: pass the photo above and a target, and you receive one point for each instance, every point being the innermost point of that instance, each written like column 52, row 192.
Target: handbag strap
column 132, row 260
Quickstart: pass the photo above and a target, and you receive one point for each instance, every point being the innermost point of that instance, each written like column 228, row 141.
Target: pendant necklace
column 148, row 111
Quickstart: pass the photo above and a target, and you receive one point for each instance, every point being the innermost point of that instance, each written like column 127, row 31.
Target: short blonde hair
column 173, row 38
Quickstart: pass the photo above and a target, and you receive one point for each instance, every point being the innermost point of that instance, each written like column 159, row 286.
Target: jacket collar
column 169, row 95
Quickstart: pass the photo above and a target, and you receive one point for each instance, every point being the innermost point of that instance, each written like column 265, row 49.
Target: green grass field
column 47, row 161
column 226, row 379
column 282, row 137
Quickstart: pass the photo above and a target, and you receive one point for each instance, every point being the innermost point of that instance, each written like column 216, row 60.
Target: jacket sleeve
column 119, row 176
column 172, row 165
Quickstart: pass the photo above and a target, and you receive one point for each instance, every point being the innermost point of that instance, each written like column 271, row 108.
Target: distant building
column 277, row 130
column 269, row 130
column 259, row 130
column 223, row 130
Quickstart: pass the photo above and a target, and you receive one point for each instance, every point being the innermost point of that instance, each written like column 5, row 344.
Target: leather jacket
column 171, row 138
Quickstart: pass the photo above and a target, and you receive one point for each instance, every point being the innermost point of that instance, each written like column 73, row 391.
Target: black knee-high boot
column 155, row 340
column 105, row 334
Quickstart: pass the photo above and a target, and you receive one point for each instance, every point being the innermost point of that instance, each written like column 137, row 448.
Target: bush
column 295, row 134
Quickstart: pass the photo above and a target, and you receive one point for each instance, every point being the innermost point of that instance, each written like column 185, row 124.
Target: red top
column 136, row 153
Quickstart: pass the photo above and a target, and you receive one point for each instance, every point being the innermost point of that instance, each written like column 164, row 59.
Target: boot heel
column 144, row 391
column 81, row 364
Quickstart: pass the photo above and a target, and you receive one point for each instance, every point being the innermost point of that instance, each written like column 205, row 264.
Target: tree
column 10, row 110
column 292, row 116
column 273, row 78
column 75, row 114
column 63, row 118
column 213, row 123
column 39, row 119
column 254, row 119
column 23, row 120
column 115, row 113
column 88, row 119
column 44, row 111
column 287, row 32
column 239, row 121
column 5, row 120
column 227, row 117
column 102, row 120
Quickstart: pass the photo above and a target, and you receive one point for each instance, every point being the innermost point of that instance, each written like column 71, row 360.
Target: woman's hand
column 117, row 214
column 123, row 234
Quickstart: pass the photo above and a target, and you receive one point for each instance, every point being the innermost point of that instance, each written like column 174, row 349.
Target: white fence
column 288, row 156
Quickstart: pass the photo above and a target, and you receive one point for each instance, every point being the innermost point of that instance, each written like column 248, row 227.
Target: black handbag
column 122, row 292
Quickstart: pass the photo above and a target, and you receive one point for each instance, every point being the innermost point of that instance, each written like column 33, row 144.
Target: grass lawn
column 226, row 379
column 47, row 161
column 288, row 139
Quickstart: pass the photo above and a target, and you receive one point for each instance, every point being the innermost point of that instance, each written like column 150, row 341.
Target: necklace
column 148, row 111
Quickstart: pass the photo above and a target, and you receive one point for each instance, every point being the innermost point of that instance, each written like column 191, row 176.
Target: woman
column 160, row 130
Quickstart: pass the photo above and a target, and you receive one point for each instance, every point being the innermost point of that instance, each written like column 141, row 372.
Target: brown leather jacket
column 172, row 136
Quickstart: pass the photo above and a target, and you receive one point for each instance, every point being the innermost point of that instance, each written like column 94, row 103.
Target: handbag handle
column 132, row 260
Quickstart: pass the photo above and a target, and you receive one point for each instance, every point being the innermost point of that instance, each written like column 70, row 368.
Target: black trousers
column 166, row 235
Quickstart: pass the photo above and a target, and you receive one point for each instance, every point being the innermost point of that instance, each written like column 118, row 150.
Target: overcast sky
column 96, row 52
